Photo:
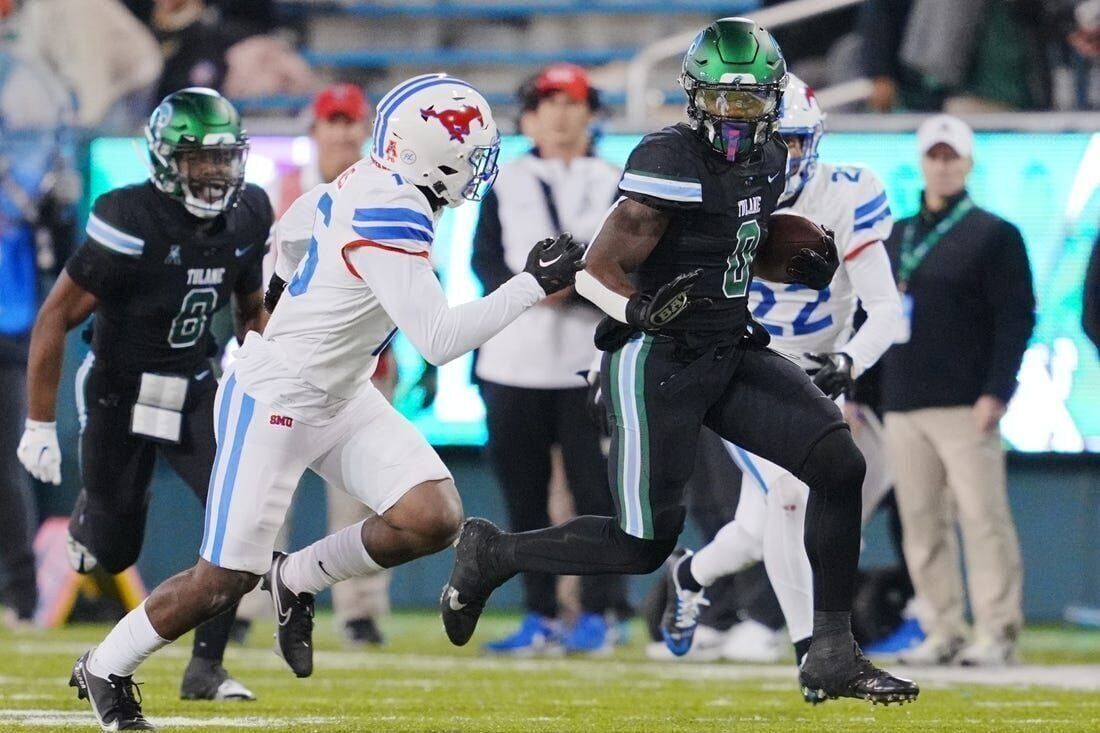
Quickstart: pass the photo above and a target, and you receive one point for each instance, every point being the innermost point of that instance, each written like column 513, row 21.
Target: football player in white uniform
column 815, row 329
column 354, row 256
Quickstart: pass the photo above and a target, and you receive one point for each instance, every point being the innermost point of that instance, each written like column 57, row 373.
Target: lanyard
column 913, row 254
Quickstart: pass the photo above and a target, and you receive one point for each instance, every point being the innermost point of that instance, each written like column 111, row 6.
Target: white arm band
column 601, row 296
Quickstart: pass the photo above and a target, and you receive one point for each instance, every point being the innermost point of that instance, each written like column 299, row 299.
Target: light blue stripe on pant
column 223, row 421
column 248, row 405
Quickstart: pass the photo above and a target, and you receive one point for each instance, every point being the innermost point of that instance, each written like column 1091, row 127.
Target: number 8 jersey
column 159, row 274
column 849, row 200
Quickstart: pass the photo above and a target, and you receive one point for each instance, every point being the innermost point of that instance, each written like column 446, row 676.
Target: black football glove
column 275, row 288
column 554, row 262
column 834, row 376
column 811, row 269
column 651, row 312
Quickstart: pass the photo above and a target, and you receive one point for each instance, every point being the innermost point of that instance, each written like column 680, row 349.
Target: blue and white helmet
column 801, row 117
column 438, row 132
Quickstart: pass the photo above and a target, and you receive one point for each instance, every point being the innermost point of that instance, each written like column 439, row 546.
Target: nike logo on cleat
column 453, row 602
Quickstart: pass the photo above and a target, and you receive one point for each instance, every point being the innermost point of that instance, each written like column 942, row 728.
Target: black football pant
column 117, row 468
column 660, row 398
column 523, row 426
column 19, row 591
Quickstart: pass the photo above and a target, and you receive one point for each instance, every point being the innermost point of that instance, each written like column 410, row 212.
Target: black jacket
column 973, row 311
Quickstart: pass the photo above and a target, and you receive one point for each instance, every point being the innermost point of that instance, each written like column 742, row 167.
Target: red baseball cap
column 568, row 78
column 341, row 99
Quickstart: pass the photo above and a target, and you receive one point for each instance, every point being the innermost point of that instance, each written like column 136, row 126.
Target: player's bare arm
column 249, row 314
column 627, row 238
column 67, row 306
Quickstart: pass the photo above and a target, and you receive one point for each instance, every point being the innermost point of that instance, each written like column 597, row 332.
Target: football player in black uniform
column 161, row 257
column 682, row 352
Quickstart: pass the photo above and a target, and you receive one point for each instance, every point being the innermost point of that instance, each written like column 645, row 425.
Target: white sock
column 329, row 560
column 732, row 549
column 129, row 644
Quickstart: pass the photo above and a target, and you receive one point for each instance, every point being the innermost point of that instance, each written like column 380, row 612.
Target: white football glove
column 39, row 453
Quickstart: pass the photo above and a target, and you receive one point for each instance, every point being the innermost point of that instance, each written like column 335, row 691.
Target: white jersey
column 851, row 201
column 355, row 255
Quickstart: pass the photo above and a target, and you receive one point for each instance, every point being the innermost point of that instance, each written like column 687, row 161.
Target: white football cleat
column 752, row 641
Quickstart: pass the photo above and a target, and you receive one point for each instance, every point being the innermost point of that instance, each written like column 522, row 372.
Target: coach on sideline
column 966, row 286
column 533, row 396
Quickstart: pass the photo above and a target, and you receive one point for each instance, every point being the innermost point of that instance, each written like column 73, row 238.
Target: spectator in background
column 37, row 191
column 962, row 56
column 107, row 59
column 192, row 43
column 339, row 130
column 528, row 372
column 966, row 284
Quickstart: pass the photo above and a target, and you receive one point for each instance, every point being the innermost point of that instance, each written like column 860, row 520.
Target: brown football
column 788, row 233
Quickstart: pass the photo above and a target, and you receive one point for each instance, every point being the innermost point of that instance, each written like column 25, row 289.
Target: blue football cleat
column 908, row 634
column 682, row 611
column 537, row 634
column 590, row 634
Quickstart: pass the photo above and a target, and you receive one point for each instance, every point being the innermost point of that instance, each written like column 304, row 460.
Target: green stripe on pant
column 627, row 389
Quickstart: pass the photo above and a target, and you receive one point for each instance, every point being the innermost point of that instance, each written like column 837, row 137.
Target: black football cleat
column 206, row 679
column 470, row 585
column 294, row 616
column 831, row 675
column 116, row 701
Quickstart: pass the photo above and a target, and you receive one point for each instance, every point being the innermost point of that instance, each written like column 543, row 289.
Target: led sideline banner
column 1046, row 184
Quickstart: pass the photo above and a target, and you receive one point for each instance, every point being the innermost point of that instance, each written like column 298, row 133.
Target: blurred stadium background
column 1032, row 98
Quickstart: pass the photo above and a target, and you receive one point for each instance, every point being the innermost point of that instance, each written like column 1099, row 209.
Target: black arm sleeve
column 1090, row 316
column 880, row 26
column 488, row 258
column 1009, row 289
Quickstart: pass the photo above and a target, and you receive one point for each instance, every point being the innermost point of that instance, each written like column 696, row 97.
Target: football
column 788, row 233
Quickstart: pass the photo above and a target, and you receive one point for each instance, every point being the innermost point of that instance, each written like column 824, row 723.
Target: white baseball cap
column 948, row 130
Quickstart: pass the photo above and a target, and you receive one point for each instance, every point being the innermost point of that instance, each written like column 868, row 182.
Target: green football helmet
column 198, row 149
column 734, row 75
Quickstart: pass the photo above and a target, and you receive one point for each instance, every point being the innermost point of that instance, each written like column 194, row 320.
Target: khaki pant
column 947, row 472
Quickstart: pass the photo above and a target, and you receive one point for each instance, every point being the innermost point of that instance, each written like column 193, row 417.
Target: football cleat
column 294, row 616
column 363, row 631
column 80, row 557
column 682, row 610
column 470, row 584
column 116, row 701
column 206, row 679
column 831, row 674
column 536, row 635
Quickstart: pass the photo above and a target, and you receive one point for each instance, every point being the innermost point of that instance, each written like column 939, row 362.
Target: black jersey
column 159, row 274
column 719, row 215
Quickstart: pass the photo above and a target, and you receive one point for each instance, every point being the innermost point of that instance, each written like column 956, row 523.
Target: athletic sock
column 128, row 644
column 211, row 637
column 684, row 576
column 329, row 560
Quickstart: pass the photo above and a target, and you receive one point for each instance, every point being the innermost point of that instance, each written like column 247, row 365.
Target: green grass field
column 420, row 683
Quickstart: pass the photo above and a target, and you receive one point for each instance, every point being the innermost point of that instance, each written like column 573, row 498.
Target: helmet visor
column 735, row 104
column 483, row 161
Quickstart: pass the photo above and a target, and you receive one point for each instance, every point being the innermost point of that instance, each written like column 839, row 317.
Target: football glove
column 39, row 453
column 652, row 312
column 275, row 288
column 554, row 262
column 834, row 376
column 811, row 269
